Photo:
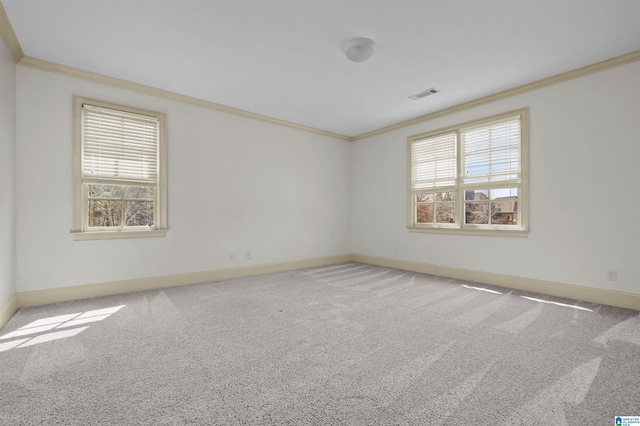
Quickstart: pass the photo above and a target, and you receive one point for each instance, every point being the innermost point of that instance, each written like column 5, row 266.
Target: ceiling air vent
column 423, row 94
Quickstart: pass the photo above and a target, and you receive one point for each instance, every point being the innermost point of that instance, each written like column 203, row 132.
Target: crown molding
column 9, row 36
column 10, row 39
column 53, row 67
column 40, row 64
column 545, row 82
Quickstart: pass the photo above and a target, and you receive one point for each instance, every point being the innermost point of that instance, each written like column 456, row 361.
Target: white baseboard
column 55, row 295
column 569, row 291
column 8, row 309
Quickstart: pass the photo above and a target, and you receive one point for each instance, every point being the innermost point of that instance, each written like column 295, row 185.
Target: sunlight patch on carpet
column 56, row 322
column 550, row 302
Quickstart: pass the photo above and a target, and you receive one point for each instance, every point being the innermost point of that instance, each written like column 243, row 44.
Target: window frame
column 80, row 229
column 459, row 227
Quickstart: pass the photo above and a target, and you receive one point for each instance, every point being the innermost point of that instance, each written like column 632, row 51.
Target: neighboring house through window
column 471, row 178
column 119, row 182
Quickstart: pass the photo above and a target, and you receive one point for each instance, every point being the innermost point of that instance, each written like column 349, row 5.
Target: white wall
column 234, row 185
column 7, row 175
column 238, row 185
column 584, row 185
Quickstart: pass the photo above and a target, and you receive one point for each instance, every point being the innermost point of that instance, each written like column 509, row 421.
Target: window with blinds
column 471, row 178
column 491, row 153
column 433, row 178
column 119, row 183
column 433, row 162
column 118, row 145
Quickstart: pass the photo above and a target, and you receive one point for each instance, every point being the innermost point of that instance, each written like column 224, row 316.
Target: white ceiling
column 283, row 58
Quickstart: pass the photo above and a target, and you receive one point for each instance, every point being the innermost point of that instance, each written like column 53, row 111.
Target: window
column 119, row 184
column 471, row 178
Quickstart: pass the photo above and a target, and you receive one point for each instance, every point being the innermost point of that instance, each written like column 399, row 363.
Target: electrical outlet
column 248, row 255
column 611, row 275
column 395, row 252
column 232, row 257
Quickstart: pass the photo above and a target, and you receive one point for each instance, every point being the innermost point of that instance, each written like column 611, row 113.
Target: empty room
column 319, row 212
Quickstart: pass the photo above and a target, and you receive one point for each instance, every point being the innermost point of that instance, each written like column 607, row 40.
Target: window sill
column 522, row 233
column 109, row 235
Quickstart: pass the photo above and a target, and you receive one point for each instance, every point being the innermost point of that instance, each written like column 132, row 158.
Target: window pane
column 504, row 207
column 477, row 195
column 424, row 213
column 140, row 192
column 105, row 213
column 138, row 213
column 477, row 213
column 424, row 198
column 446, row 196
column 105, row 191
column 445, row 213
column 506, row 193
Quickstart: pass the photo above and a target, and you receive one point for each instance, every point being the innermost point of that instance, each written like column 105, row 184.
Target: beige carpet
column 345, row 344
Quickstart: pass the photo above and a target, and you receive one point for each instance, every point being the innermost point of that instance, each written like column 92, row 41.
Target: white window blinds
column 118, row 145
column 433, row 162
column 491, row 153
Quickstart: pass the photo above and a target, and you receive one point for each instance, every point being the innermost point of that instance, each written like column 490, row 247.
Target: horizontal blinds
column 491, row 153
column 433, row 162
column 119, row 145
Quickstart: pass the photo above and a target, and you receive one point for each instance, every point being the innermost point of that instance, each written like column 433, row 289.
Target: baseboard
column 8, row 309
column 64, row 294
column 569, row 291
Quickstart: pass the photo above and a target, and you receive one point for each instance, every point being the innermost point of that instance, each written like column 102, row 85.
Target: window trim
column 459, row 227
column 79, row 229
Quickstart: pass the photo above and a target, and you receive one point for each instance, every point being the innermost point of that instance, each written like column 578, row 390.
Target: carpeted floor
column 347, row 344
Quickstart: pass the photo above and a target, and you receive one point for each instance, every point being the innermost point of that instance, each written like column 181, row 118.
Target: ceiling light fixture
column 359, row 49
